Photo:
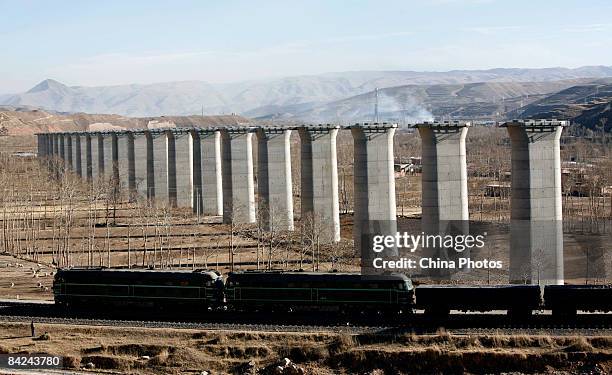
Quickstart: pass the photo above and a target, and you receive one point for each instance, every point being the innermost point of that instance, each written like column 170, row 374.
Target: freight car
column 339, row 292
column 103, row 289
column 566, row 300
column 517, row 300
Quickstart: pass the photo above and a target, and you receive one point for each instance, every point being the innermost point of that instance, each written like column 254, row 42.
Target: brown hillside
column 29, row 122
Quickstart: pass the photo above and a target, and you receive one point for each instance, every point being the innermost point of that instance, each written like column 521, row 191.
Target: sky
column 99, row 43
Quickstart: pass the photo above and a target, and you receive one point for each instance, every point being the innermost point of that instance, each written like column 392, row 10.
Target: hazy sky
column 115, row 42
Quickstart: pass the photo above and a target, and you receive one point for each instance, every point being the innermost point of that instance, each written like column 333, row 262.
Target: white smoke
column 398, row 106
column 402, row 108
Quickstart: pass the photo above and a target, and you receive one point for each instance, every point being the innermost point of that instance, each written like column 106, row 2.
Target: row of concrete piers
column 211, row 170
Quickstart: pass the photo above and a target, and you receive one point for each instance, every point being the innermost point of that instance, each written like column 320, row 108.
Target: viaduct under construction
column 211, row 170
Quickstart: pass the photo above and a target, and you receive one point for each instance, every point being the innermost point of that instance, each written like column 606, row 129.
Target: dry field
column 25, row 280
column 157, row 351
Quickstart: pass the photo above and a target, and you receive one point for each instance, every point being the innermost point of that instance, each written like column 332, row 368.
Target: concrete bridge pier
column 97, row 158
column 444, row 185
column 49, row 138
column 207, row 172
column 180, row 163
column 54, row 153
column 444, row 178
column 319, row 182
column 55, row 141
column 109, row 158
column 157, row 159
column 374, row 183
column 44, row 149
column 536, row 232
column 41, row 145
column 76, row 154
column 68, row 151
column 125, row 161
column 62, row 147
column 57, row 158
column 86, row 160
column 238, row 180
column 138, row 165
column 274, row 185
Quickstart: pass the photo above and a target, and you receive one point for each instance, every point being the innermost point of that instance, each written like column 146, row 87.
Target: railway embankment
column 162, row 350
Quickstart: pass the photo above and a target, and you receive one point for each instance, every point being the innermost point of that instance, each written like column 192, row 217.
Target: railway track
column 557, row 330
column 194, row 325
column 457, row 323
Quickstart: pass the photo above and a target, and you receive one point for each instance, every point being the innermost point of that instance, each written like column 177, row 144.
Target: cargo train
column 284, row 291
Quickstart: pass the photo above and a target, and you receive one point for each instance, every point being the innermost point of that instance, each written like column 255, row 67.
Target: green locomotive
column 343, row 292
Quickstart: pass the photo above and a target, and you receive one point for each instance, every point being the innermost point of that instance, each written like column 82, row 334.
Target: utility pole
column 376, row 105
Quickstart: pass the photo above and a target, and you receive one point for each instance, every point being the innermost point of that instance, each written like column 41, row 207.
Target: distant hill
column 20, row 121
column 587, row 105
column 423, row 102
column 597, row 117
column 269, row 98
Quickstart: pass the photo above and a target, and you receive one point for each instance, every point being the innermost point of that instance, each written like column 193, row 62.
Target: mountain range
column 348, row 96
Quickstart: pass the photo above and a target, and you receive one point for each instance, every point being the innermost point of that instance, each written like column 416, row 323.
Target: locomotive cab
column 103, row 289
